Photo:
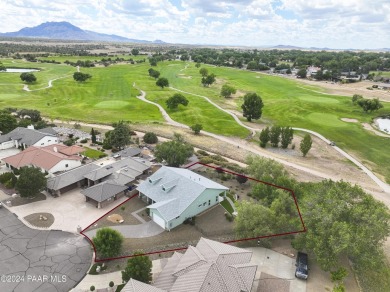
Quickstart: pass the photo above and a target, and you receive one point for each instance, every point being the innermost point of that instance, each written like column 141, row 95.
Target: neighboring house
column 123, row 173
column 128, row 152
column 102, row 194
column 177, row 194
column 24, row 137
column 54, row 158
column 312, row 71
column 210, row 266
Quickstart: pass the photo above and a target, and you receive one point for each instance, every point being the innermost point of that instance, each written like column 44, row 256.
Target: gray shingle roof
column 175, row 183
column 132, row 165
column 25, row 136
column 70, row 177
column 103, row 191
column 129, row 152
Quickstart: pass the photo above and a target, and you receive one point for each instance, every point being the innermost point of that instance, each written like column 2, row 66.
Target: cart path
column 384, row 186
column 50, row 84
column 245, row 145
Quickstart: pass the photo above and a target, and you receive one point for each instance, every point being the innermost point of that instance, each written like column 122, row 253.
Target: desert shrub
column 150, row 138
column 202, row 153
column 84, row 141
column 218, row 158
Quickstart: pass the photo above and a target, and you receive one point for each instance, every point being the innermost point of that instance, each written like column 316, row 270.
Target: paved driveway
column 40, row 260
column 69, row 210
column 277, row 265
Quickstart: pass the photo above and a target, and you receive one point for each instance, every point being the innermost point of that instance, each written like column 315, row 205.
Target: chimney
column 55, row 149
column 31, row 127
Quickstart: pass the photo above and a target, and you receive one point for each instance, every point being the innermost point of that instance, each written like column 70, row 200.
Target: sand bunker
column 115, row 218
column 348, row 120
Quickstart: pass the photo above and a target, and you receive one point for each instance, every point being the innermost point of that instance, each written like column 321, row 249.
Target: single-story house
column 177, row 194
column 69, row 180
column 128, row 152
column 123, row 172
column 209, row 266
column 103, row 193
column 26, row 137
column 53, row 158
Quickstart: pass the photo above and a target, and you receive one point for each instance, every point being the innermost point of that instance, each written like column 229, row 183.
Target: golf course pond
column 383, row 124
column 20, row 70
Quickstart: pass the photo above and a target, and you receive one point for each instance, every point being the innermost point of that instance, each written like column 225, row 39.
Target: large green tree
column 227, row 90
column 286, row 136
column 204, row 72
column 28, row 77
column 252, row 106
column 208, row 80
column 342, row 220
column 135, row 52
column 175, row 152
column 369, row 105
column 81, row 77
column 154, row 73
column 139, row 267
column 274, row 135
column 7, row 122
column 108, row 242
column 31, row 181
column 264, row 137
column 176, row 99
column 120, row 136
column 162, row 82
column 305, row 144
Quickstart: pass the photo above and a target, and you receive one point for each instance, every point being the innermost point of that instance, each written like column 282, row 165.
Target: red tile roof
column 43, row 157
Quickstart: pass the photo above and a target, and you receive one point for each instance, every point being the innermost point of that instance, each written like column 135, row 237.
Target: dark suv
column 302, row 270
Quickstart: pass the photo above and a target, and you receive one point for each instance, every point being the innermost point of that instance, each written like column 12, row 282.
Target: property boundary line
column 96, row 260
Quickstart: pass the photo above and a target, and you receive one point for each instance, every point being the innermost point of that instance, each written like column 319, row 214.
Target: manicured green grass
column 109, row 96
column 93, row 154
column 290, row 103
column 383, row 73
column 227, row 206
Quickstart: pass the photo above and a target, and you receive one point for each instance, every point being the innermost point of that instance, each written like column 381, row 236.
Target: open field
column 109, row 96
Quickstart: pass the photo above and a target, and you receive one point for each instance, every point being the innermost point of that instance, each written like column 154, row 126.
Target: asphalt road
column 40, row 260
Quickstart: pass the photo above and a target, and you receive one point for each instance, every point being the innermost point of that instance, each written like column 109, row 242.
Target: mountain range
column 66, row 31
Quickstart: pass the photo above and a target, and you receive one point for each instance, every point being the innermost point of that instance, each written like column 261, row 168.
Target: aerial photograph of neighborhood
column 195, row 146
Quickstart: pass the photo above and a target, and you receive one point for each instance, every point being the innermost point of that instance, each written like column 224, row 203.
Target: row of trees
column 24, row 118
column 276, row 134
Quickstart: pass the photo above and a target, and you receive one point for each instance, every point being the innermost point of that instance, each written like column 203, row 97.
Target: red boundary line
column 183, row 248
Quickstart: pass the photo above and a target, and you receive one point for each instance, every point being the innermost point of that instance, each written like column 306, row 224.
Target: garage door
column 160, row 221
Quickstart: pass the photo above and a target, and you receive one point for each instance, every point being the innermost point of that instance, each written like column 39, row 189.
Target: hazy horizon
column 344, row 24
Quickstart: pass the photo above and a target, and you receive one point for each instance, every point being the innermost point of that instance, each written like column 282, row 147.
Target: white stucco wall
column 7, row 145
column 45, row 141
column 61, row 166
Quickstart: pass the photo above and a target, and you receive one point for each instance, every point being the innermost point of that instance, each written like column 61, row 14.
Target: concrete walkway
column 139, row 218
column 147, row 229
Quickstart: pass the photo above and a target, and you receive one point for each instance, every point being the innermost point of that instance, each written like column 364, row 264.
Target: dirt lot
column 36, row 219
column 351, row 89
column 123, row 211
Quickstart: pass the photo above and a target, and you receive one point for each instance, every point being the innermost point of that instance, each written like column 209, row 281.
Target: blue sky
column 357, row 24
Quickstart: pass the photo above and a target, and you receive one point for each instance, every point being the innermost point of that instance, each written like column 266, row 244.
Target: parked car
column 302, row 268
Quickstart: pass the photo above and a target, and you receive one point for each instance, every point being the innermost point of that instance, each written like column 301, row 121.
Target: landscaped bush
column 202, row 153
column 8, row 179
column 102, row 155
column 218, row 158
column 84, row 141
column 150, row 138
column 206, row 160
column 69, row 142
column 111, row 284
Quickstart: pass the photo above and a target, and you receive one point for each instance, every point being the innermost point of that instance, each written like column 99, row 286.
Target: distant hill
column 67, row 31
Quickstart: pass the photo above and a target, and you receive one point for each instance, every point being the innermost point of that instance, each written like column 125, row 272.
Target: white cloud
column 320, row 23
